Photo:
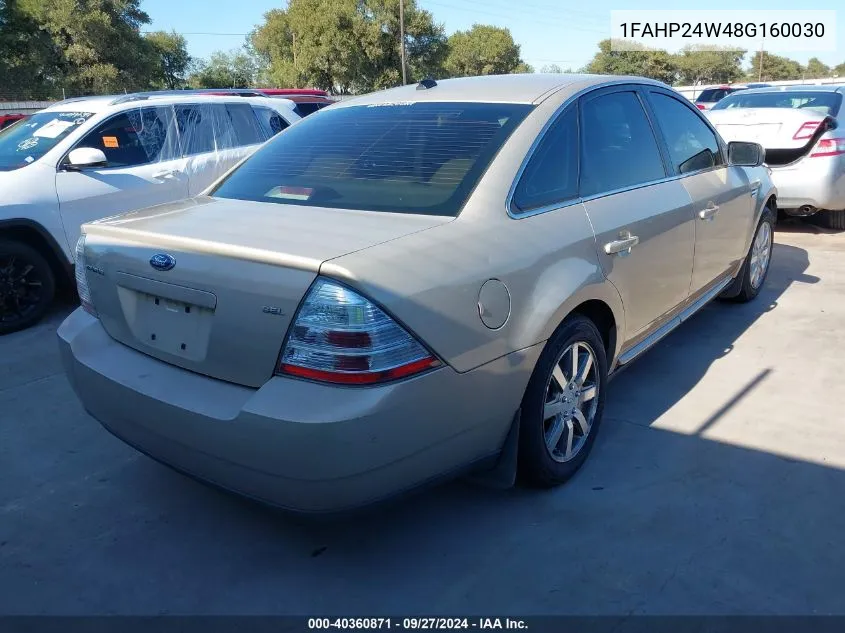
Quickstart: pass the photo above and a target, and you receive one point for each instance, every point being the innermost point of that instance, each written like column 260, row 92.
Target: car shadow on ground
column 658, row 521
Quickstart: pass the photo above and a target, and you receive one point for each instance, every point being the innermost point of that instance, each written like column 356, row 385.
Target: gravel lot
column 717, row 486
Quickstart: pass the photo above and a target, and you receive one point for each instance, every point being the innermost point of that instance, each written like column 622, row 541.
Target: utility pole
column 760, row 78
column 402, row 40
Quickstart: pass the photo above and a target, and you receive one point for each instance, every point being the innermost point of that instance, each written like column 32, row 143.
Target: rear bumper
column 817, row 182
column 303, row 446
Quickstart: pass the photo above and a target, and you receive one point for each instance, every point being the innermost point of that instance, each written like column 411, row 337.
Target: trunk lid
column 229, row 278
column 787, row 134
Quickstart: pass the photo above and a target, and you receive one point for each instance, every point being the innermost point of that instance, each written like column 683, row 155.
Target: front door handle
column 709, row 213
column 623, row 245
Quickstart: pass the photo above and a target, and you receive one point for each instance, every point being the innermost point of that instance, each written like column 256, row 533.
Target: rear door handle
column 709, row 213
column 165, row 173
column 623, row 245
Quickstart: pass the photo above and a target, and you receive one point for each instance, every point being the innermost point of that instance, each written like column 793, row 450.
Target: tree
column 233, row 69
column 816, row 69
column 551, row 68
column 483, row 50
column 708, row 65
column 29, row 62
column 634, row 60
column 348, row 46
column 838, row 71
column 171, row 54
column 775, row 67
column 99, row 44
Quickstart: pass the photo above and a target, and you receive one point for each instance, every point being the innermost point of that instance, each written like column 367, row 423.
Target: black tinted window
column 713, row 94
column 244, row 124
column 552, row 173
column 271, row 122
column 618, row 147
column 692, row 145
column 135, row 137
column 400, row 157
column 304, row 109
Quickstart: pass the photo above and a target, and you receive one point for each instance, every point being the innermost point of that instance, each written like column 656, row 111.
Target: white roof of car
column 119, row 102
column 518, row 88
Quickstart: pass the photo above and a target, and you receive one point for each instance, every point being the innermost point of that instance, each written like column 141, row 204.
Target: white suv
column 84, row 159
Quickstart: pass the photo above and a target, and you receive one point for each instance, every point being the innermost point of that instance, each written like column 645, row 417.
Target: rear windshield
column 822, row 102
column 714, row 94
column 401, row 157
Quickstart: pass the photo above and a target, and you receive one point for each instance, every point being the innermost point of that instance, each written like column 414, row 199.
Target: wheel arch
column 33, row 234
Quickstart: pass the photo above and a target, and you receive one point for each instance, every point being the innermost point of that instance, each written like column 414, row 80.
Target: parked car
column 83, row 159
column 711, row 96
column 8, row 119
column 800, row 127
column 307, row 100
column 413, row 284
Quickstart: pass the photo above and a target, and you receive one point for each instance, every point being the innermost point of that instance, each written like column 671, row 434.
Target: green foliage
column 551, row 68
column 348, row 45
column 816, row 69
column 233, row 69
column 775, row 68
column 170, row 51
column 634, row 60
column 708, row 65
column 483, row 50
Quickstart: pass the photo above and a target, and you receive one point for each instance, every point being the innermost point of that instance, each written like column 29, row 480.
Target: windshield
column 400, row 157
column 29, row 140
column 714, row 94
column 823, row 102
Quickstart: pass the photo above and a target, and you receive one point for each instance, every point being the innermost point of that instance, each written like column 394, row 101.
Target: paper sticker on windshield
column 27, row 144
column 290, row 193
column 53, row 129
column 110, row 142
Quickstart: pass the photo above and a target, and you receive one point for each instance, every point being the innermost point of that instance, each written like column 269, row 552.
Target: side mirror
column 744, row 154
column 83, row 157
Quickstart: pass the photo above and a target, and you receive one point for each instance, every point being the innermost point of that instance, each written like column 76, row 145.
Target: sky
column 562, row 32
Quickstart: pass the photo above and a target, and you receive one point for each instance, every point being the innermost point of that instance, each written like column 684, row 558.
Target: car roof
column 798, row 88
column 518, row 88
column 116, row 103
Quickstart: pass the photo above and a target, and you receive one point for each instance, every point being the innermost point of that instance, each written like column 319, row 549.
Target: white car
column 84, row 159
column 801, row 129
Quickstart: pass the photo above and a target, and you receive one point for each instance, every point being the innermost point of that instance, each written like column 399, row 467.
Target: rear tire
column 27, row 286
column 751, row 277
column 562, row 408
column 833, row 219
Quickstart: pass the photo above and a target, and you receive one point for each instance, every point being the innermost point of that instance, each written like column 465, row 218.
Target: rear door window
column 135, row 137
column 618, row 147
column 244, row 124
column 402, row 157
column 692, row 145
column 271, row 122
column 551, row 175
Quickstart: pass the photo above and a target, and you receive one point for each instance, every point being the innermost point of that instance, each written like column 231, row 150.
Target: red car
column 7, row 119
column 308, row 100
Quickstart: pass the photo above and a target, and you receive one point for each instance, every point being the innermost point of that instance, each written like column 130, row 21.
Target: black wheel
column 755, row 268
column 563, row 404
column 27, row 286
column 833, row 219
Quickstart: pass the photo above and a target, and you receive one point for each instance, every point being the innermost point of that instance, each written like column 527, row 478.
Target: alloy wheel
column 571, row 401
column 761, row 252
column 21, row 288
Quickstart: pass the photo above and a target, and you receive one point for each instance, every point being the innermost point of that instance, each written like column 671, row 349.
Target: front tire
column 27, row 286
column 563, row 405
column 755, row 268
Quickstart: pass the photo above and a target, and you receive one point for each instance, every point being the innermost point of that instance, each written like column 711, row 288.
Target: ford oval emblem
column 162, row 261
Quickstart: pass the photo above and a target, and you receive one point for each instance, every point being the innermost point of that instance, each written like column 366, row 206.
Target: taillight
column 341, row 337
column 806, row 131
column 82, row 278
column 829, row 147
